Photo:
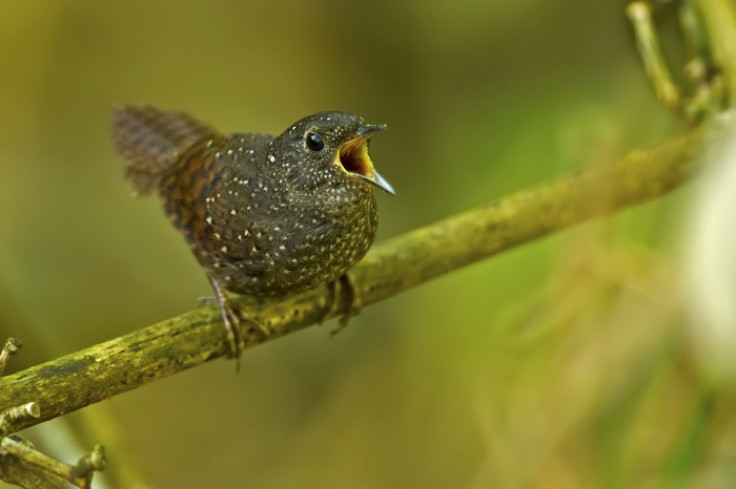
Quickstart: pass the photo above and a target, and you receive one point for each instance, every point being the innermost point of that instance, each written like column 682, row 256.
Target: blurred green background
column 558, row 365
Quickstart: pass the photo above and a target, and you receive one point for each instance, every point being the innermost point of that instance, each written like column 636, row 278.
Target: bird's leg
column 232, row 322
column 355, row 303
column 331, row 300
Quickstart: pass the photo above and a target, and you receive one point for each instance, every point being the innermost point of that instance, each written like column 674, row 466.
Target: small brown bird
column 264, row 216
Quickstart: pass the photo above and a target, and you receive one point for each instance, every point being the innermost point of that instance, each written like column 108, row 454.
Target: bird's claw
column 355, row 304
column 233, row 334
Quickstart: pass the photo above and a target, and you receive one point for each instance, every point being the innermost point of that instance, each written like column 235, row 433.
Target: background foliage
column 560, row 364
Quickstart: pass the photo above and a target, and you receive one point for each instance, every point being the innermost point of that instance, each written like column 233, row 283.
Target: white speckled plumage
column 264, row 216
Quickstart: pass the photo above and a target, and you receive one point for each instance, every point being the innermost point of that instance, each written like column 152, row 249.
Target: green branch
column 155, row 352
column 720, row 19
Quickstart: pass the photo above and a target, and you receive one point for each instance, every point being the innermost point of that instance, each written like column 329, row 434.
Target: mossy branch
column 102, row 371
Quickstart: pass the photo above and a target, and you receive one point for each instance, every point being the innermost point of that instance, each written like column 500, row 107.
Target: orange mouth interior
column 353, row 156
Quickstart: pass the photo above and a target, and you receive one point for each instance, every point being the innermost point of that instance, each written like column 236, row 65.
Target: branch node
column 11, row 347
column 24, row 412
column 93, row 461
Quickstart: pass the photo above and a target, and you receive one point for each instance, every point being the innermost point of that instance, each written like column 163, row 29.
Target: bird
column 265, row 216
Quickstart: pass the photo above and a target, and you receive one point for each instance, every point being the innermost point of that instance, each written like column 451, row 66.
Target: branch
column 720, row 18
column 22, row 465
column 22, row 455
column 155, row 352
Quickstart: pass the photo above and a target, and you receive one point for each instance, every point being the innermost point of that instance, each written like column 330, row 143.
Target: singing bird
column 265, row 216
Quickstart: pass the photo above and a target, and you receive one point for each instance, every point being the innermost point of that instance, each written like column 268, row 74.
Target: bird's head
column 330, row 148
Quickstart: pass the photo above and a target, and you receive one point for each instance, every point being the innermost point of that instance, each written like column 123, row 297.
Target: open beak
column 353, row 156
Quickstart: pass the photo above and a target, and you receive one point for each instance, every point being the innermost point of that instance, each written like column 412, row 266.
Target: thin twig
column 16, row 414
column 720, row 19
column 21, row 464
column 80, row 474
column 640, row 15
column 155, row 352
column 11, row 347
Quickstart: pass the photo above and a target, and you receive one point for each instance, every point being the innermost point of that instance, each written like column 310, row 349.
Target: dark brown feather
column 151, row 141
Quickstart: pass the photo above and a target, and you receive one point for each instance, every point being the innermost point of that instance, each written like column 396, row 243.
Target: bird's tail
column 151, row 141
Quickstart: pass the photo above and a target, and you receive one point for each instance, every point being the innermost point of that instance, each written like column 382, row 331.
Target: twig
column 706, row 91
column 155, row 352
column 720, row 18
column 18, row 472
column 80, row 474
column 640, row 14
column 13, row 415
column 11, row 347
column 21, row 464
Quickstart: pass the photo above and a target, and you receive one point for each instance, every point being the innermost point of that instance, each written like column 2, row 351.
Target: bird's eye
column 315, row 142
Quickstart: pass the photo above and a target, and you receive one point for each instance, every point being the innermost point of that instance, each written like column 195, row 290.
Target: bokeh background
column 561, row 364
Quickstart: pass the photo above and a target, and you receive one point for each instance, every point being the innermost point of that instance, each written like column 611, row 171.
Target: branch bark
column 121, row 364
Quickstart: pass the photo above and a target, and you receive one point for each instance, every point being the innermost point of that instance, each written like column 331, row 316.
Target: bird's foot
column 331, row 301
column 233, row 324
column 233, row 333
column 355, row 303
